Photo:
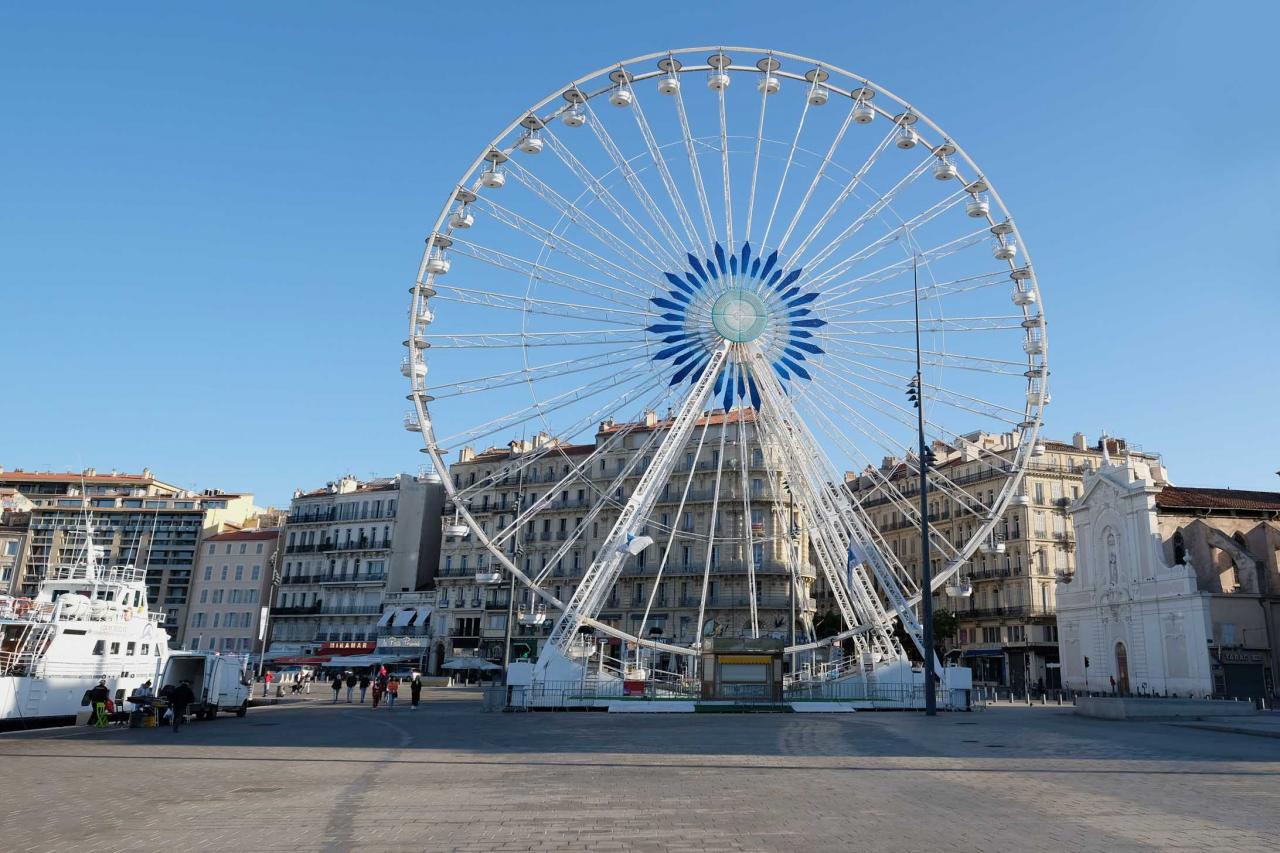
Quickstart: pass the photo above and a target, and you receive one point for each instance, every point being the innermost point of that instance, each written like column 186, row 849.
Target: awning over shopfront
column 361, row 661
column 470, row 663
column 386, row 618
column 403, row 616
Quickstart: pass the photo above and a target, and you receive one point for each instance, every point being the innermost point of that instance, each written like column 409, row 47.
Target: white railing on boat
column 114, row 574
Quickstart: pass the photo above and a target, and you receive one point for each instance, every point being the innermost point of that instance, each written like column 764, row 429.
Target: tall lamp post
column 915, row 393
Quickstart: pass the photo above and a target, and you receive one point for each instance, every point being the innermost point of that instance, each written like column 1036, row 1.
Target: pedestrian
column 364, row 685
column 181, row 698
column 393, row 691
column 337, row 686
column 98, row 698
column 415, row 690
column 266, row 683
column 377, row 693
column 308, row 678
column 351, row 685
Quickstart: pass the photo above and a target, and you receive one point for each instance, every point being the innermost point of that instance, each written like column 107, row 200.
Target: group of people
column 175, row 698
column 385, row 687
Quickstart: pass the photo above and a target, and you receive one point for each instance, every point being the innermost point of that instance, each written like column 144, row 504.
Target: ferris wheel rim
column 1030, row 428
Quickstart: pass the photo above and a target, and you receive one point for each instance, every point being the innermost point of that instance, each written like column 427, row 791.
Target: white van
column 219, row 683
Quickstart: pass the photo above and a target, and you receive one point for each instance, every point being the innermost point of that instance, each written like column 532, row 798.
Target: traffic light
column 913, row 391
column 1086, row 661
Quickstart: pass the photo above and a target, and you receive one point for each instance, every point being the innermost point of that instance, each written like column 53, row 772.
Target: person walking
column 364, row 686
column 415, row 691
column 393, row 691
column 337, row 687
column 351, row 686
column 266, row 684
column 98, row 697
column 307, row 679
column 377, row 693
column 181, row 698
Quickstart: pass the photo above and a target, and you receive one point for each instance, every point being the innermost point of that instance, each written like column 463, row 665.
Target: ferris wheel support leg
column 601, row 575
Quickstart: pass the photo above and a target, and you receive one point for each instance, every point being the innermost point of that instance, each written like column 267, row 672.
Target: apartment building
column 345, row 547
column 137, row 520
column 231, row 585
column 15, row 529
column 1007, row 628
column 474, row 607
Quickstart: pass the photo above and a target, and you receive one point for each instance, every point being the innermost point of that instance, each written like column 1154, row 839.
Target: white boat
column 86, row 623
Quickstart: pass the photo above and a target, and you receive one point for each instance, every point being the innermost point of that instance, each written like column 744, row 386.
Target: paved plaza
column 311, row 776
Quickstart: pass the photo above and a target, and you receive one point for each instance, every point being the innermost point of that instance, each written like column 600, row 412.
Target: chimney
column 1079, row 442
column 146, row 473
column 91, row 472
column 650, row 419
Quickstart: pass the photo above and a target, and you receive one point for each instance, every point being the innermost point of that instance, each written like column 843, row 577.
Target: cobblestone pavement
column 313, row 776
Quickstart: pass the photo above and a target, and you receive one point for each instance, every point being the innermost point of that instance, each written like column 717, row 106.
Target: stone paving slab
column 313, row 776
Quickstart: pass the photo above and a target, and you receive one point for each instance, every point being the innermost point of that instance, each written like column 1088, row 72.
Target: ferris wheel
column 737, row 239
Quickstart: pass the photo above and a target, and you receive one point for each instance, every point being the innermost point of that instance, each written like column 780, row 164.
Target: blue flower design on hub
column 737, row 298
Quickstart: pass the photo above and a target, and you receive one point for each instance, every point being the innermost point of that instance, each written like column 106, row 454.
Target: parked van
column 219, row 683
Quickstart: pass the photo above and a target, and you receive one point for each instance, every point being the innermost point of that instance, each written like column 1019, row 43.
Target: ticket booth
column 742, row 669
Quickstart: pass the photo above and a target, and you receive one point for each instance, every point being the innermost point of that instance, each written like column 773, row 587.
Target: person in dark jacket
column 351, row 686
column 98, row 698
column 336, row 684
column 180, row 699
column 415, row 691
column 364, row 686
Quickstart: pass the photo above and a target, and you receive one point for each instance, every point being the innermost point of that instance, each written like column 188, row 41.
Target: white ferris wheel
column 740, row 231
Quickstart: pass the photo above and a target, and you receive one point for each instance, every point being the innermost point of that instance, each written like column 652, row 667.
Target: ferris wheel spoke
column 606, row 198
column 568, row 367
column 936, row 394
column 695, row 169
column 843, row 305
column 873, row 211
column 711, row 533
column 755, row 163
column 848, row 190
column 625, row 276
column 749, row 554
column 818, row 175
column 664, row 171
column 782, row 180
column 555, row 403
column 627, row 297
column 534, row 305
column 724, row 168
column 578, row 216
column 897, row 268
column 995, row 323
column 519, row 340
column 623, row 165
column 936, row 358
column 903, row 232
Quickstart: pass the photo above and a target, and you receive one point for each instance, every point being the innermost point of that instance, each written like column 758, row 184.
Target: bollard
column 1059, row 699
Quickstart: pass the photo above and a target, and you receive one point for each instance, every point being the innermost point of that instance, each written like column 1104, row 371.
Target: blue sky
column 210, row 215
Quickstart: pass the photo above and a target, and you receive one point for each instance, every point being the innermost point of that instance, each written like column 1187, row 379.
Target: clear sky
column 209, row 214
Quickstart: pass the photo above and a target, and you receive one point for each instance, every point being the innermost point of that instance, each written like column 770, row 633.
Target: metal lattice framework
column 727, row 230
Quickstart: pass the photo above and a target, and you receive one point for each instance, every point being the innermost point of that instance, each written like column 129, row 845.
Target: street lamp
column 915, row 393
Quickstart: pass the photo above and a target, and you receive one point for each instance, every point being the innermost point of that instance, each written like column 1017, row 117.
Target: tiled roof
column 1176, row 497
column 72, row 476
column 715, row 418
column 243, row 536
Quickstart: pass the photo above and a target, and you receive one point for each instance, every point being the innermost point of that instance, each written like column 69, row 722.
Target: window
column 255, row 573
column 204, row 596
column 146, row 648
column 100, row 647
column 258, row 550
column 115, row 648
column 242, row 547
column 211, row 547
column 224, row 572
column 239, row 573
column 208, row 572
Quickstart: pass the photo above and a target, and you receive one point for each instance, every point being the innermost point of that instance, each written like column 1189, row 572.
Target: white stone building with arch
column 1176, row 590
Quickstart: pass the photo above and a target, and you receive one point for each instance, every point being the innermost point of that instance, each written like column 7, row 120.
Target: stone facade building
column 473, row 616
column 1177, row 591
column 345, row 547
column 137, row 519
column 1007, row 629
column 232, row 582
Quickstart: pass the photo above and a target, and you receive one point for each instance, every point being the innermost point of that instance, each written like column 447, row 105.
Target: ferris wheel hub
column 739, row 316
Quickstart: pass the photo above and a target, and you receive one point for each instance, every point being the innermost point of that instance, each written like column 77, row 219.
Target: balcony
column 364, row 544
column 305, row 610
column 300, row 579
column 364, row 579
column 300, row 549
column 352, row 610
